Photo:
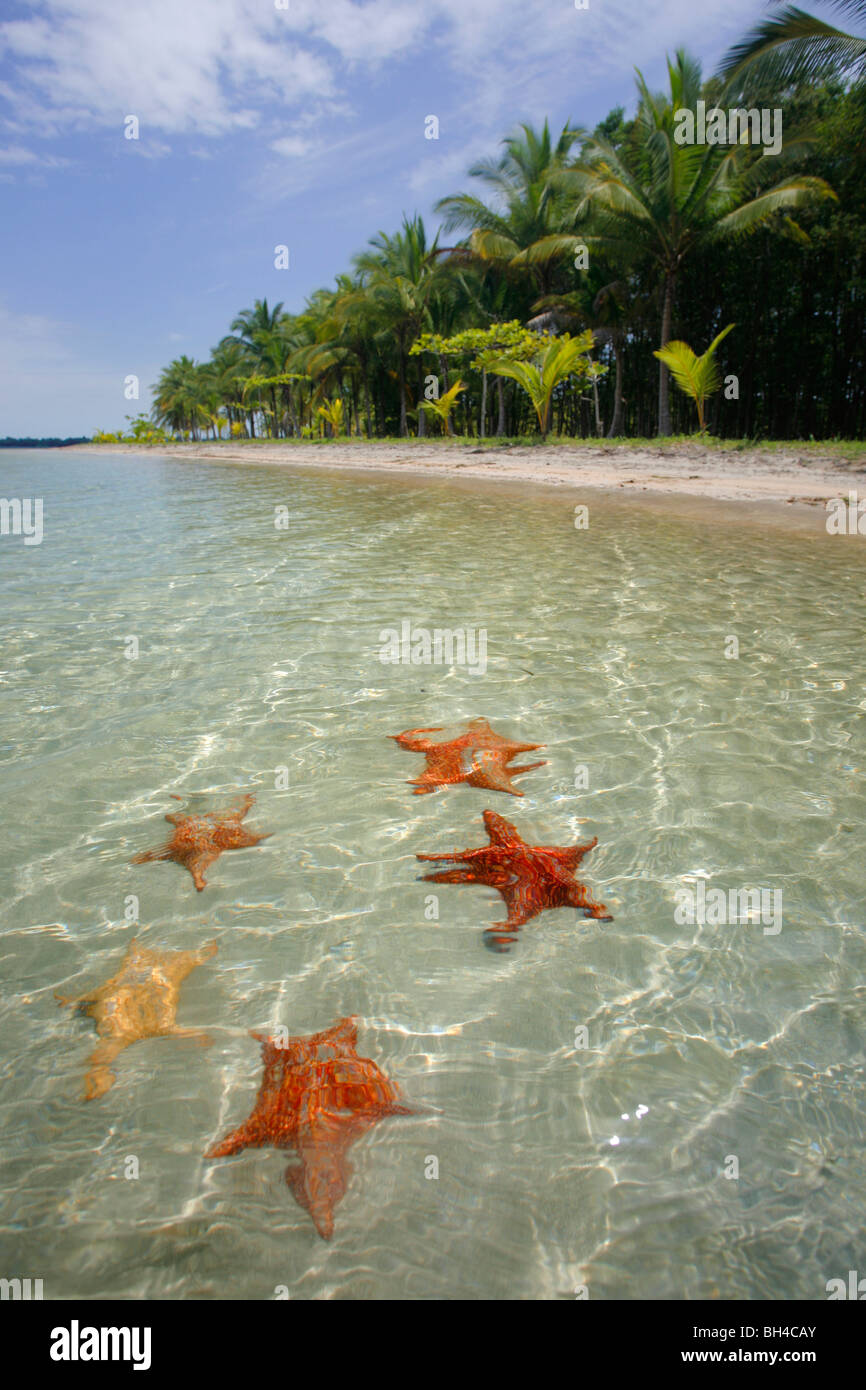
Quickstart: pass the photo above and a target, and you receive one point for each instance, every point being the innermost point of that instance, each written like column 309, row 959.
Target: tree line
column 621, row 237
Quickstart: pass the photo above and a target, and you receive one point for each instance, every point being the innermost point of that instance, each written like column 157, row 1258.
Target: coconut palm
column 793, row 46
column 182, row 397
column 604, row 306
column 523, row 228
column 444, row 406
column 698, row 376
column 332, row 414
column 402, row 273
column 667, row 199
column 562, row 358
column 266, row 335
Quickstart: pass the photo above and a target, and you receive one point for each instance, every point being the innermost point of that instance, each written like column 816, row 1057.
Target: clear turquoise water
column 259, row 651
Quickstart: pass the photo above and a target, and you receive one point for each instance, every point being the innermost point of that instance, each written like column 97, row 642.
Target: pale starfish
column 199, row 840
column 140, row 1001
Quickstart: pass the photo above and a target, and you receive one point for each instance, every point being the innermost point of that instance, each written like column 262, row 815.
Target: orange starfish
column 199, row 840
column 140, row 1001
column 479, row 757
column 317, row 1096
column 530, row 878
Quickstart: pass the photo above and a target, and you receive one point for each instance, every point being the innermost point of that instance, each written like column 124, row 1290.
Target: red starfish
column 199, row 840
column 529, row 877
column 479, row 757
column 317, row 1096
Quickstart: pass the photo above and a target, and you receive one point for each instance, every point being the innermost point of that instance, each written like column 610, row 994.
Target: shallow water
column 258, row 664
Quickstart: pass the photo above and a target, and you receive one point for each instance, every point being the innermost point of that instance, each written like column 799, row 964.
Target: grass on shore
column 853, row 450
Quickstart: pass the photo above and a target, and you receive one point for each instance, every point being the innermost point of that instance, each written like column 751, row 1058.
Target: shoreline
column 680, row 470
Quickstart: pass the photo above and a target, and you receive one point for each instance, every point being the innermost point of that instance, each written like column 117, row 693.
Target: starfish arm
column 244, row 839
column 100, row 1078
column 459, row 856
column 176, row 965
column 493, row 779
column 198, row 863
column 320, row 1181
column 423, row 788
column 343, row 1034
column 451, row 876
column 76, row 1001
column 243, row 806
column 246, row 1136
column 527, row 767
column 148, row 856
column 579, row 898
column 521, row 901
column 412, row 743
column 500, row 831
column 574, row 853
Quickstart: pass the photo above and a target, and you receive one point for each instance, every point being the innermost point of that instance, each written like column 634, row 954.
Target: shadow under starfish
column 530, row 878
column 480, row 757
column 317, row 1096
column 139, row 1002
column 200, row 840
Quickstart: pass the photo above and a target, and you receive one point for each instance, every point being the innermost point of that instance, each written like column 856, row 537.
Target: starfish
column 199, row 840
column 140, row 1001
column 529, row 877
column 317, row 1096
column 479, row 757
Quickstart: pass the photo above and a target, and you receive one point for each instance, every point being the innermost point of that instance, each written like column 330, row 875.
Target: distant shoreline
column 683, row 469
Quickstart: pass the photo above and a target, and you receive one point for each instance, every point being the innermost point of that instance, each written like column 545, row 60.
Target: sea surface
column 645, row 1108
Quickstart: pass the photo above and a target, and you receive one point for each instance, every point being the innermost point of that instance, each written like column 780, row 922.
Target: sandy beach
column 676, row 469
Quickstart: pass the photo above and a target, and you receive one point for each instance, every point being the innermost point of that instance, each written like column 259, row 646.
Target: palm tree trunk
column 500, row 424
column 404, row 424
column 598, row 425
column 421, row 411
column 664, row 376
column 483, row 424
column 616, row 423
column 367, row 398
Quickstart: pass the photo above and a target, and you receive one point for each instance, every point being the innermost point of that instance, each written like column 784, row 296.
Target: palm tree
column 699, row 377
column 182, row 396
column 229, row 368
column 524, row 227
column 667, row 199
column 401, row 274
column 605, row 308
column 265, row 334
column 793, row 46
column 562, row 357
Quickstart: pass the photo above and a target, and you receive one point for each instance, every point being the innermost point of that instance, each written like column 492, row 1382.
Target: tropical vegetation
column 565, row 282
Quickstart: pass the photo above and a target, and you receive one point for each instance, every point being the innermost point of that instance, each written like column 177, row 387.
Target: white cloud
column 191, row 66
column 18, row 155
column 294, row 146
column 214, row 66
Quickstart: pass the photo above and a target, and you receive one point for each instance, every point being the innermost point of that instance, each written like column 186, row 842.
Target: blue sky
column 259, row 125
